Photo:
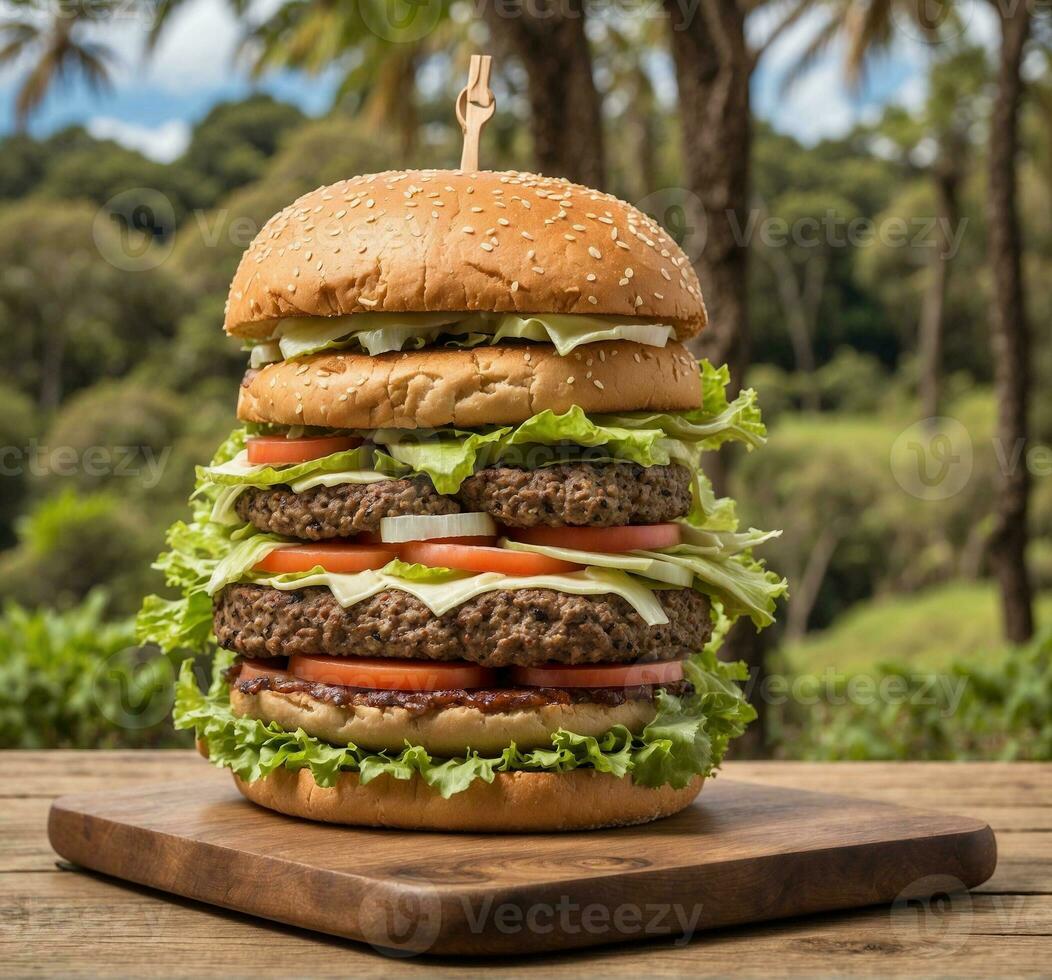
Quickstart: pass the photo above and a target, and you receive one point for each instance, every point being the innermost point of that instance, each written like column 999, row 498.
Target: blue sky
column 155, row 100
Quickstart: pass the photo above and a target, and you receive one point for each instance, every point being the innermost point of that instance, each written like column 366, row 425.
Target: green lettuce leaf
column 239, row 472
column 742, row 584
column 688, row 737
column 415, row 572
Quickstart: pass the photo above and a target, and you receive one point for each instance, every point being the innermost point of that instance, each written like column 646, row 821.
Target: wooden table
column 61, row 922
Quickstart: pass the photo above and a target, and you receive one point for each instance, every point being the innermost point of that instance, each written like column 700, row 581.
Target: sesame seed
column 592, row 300
column 486, row 246
column 578, row 227
column 515, row 285
column 367, row 302
column 622, row 281
column 659, row 295
column 503, row 221
column 477, row 209
column 539, row 270
column 468, row 230
column 629, row 272
column 594, row 252
column 602, row 355
column 639, row 360
column 570, row 238
column 291, row 287
column 664, row 273
column 570, row 380
column 527, row 236
column 598, row 384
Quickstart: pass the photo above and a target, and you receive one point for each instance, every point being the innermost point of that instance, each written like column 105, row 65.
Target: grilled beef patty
column 340, row 511
column 494, row 701
column 579, row 494
column 497, row 629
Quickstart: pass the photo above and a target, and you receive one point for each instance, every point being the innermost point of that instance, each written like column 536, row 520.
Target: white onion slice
column 414, row 527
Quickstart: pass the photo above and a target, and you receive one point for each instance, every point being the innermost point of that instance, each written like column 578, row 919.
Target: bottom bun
column 582, row 799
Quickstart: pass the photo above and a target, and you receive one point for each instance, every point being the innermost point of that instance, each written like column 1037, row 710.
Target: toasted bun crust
column 445, row 731
column 485, row 385
column 581, row 799
column 442, row 240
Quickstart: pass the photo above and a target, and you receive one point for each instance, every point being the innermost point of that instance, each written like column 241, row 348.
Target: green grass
column 958, row 621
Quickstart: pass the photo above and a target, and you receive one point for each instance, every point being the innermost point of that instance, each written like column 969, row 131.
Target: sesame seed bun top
column 448, row 241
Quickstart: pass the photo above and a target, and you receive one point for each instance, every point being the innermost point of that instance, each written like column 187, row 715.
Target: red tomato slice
column 476, row 559
column 634, row 537
column 333, row 556
column 598, row 675
column 278, row 451
column 251, row 669
column 379, row 673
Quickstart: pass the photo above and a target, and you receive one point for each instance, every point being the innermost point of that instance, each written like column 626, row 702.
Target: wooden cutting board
column 741, row 853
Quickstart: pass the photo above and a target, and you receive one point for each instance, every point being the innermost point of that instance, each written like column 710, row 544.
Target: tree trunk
column 713, row 65
column 933, row 312
column 548, row 37
column 1009, row 333
column 800, row 309
column 807, row 588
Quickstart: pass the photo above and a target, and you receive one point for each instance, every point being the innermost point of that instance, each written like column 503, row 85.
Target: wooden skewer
column 475, row 107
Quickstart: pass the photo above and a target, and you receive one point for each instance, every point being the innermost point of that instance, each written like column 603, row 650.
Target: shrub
column 73, row 680
column 72, row 543
column 999, row 710
column 18, row 425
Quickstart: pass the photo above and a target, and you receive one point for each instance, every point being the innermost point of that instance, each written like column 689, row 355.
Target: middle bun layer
column 468, row 388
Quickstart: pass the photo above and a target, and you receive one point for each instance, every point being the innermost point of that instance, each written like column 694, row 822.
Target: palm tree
column 58, row 50
column 868, row 27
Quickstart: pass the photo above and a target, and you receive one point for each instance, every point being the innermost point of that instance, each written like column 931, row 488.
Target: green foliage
column 999, row 708
column 71, row 543
column 70, row 311
column 121, row 432
column 75, row 679
column 232, row 144
column 958, row 621
column 18, row 426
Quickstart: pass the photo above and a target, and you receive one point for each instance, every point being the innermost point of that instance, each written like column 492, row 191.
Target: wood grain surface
column 55, row 922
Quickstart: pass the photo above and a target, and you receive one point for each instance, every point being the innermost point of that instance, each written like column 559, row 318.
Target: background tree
column 57, row 49
column 549, row 38
column 1010, row 328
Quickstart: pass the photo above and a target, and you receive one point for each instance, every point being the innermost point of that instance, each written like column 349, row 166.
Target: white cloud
column 163, row 143
column 197, row 50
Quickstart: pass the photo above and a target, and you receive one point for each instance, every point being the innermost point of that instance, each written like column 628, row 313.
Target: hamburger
column 459, row 559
